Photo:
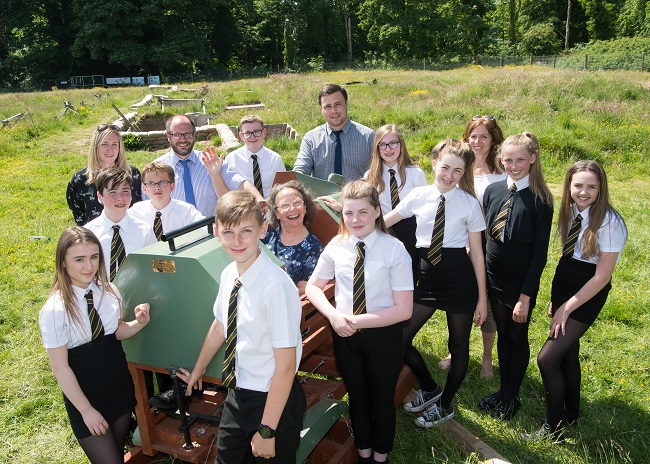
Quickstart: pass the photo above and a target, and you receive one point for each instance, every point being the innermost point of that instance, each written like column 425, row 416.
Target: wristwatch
column 265, row 431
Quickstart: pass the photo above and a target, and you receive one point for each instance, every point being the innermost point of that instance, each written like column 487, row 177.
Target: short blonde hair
column 235, row 206
column 159, row 166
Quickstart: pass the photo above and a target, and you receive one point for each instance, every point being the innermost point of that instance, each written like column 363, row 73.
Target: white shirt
column 611, row 235
column 415, row 177
column 175, row 215
column 268, row 317
column 204, row 194
column 482, row 182
column 463, row 214
column 135, row 234
column 58, row 329
column 269, row 162
column 387, row 269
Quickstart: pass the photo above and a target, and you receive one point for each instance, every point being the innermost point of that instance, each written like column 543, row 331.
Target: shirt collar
column 80, row 293
column 521, row 183
column 345, row 127
column 369, row 241
column 253, row 272
column 435, row 193
column 108, row 224
column 177, row 159
column 259, row 153
column 584, row 214
column 386, row 168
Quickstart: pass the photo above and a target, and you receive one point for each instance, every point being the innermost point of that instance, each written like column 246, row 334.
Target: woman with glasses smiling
column 106, row 150
column 290, row 211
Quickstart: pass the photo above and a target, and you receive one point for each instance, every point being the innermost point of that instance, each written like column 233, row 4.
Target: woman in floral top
column 290, row 210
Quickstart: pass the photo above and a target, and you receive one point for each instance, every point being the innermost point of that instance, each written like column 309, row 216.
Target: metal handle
column 169, row 237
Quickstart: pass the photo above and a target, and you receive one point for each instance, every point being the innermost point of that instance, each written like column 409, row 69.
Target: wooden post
column 642, row 60
column 531, row 59
column 554, row 60
column 501, row 61
column 586, row 66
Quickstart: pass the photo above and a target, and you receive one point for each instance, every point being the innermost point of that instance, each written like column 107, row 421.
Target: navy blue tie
column 338, row 153
column 187, row 183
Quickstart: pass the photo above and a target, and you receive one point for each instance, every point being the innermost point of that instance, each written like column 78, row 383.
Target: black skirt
column 103, row 375
column 570, row 276
column 450, row 285
column 507, row 267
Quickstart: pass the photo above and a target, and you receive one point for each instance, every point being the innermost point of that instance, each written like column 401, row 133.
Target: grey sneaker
column 423, row 400
column 433, row 416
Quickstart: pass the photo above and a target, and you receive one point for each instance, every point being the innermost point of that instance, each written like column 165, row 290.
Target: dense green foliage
column 598, row 115
column 45, row 41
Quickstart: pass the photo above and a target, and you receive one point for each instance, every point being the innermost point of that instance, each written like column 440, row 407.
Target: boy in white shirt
column 243, row 160
column 158, row 184
column 257, row 319
column 118, row 232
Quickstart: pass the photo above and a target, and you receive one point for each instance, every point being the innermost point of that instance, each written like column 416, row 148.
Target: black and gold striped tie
column 572, row 238
column 435, row 251
column 257, row 177
column 500, row 222
column 394, row 191
column 96, row 326
column 359, row 282
column 228, row 372
column 157, row 226
column 118, row 254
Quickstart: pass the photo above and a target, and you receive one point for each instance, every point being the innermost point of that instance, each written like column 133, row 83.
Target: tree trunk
column 513, row 19
column 568, row 25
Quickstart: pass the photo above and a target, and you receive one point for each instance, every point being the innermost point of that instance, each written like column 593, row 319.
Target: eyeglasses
column 384, row 146
column 160, row 184
column 256, row 133
column 294, row 204
column 486, row 117
column 184, row 135
column 103, row 127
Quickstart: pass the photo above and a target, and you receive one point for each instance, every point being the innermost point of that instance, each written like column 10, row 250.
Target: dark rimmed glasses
column 256, row 133
column 184, row 135
column 103, row 127
column 384, row 146
column 487, row 117
column 160, row 184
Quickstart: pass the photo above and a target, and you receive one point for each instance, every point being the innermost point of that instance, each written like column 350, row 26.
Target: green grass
column 576, row 115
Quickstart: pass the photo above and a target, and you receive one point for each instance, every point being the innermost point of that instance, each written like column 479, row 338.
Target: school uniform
column 99, row 365
column 574, row 271
column 268, row 317
column 404, row 230
column 451, row 284
column 175, row 215
column 370, row 360
column 135, row 234
column 268, row 161
column 515, row 263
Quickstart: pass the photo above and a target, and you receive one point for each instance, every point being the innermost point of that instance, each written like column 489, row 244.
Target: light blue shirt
column 204, row 194
column 316, row 153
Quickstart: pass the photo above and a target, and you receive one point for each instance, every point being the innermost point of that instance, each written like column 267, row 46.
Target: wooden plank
column 470, row 443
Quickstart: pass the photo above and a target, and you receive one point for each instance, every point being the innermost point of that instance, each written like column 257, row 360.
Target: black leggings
column 513, row 349
column 459, row 327
column 559, row 364
column 108, row 448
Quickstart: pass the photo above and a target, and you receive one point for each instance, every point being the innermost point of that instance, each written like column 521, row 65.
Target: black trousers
column 369, row 362
column 242, row 415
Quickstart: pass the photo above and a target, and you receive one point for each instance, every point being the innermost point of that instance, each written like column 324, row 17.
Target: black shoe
column 489, row 403
column 367, row 460
column 569, row 420
column 545, row 433
column 507, row 409
column 167, row 400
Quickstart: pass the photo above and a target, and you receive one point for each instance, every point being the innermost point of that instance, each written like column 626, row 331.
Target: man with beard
column 339, row 146
column 200, row 178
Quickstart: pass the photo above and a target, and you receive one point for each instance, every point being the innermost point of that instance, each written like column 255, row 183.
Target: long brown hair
column 497, row 139
column 377, row 164
column 62, row 284
column 536, row 183
column 597, row 211
column 96, row 141
column 463, row 151
column 362, row 190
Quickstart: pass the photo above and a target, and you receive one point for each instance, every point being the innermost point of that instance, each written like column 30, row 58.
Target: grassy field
column 602, row 116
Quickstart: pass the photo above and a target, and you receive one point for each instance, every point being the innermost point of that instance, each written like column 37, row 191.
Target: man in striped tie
column 200, row 178
column 256, row 163
column 257, row 321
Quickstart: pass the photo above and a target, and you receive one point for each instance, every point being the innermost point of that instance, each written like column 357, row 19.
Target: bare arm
column 341, row 323
column 283, row 375
column 251, row 188
column 478, row 263
column 400, row 311
column 392, row 218
column 213, row 341
column 604, row 271
column 129, row 329
column 213, row 162
column 68, row 382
